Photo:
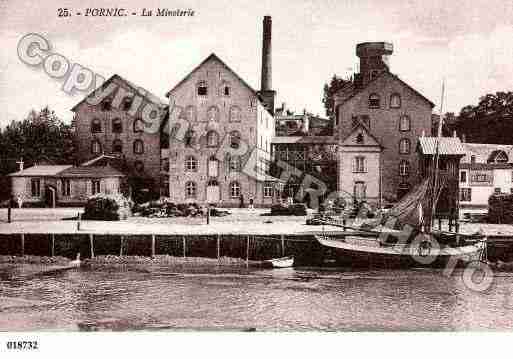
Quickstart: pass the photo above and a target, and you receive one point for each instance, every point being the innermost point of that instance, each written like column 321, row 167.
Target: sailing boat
column 404, row 237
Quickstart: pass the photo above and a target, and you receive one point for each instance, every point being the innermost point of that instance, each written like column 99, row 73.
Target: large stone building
column 393, row 112
column 114, row 125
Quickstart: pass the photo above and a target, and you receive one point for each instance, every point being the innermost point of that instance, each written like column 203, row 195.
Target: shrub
column 103, row 207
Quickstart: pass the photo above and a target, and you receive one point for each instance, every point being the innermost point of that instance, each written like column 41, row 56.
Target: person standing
column 251, row 202
column 241, row 201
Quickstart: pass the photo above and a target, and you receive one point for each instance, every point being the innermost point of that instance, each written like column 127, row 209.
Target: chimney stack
column 266, row 92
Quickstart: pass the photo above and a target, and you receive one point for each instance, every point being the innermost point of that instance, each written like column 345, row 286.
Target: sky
column 467, row 43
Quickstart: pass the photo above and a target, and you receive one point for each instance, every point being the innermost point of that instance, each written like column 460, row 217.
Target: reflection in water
column 287, row 299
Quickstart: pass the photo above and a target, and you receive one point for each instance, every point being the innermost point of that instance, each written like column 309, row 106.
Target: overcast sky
column 469, row 43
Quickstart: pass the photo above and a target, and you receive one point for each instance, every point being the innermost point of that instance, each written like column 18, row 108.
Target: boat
column 403, row 236
column 284, row 262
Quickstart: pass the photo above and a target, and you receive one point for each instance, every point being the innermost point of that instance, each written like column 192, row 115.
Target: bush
column 102, row 207
column 297, row 209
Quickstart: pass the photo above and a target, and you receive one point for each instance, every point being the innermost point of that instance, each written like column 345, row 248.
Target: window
column 117, row 146
column 235, row 189
column 191, row 164
column 395, row 100
column 235, row 139
column 164, row 164
column 226, row 91
column 127, row 103
column 212, row 139
column 465, row 194
column 190, row 190
column 404, row 123
column 96, row 125
column 139, row 166
column 404, row 168
column 463, row 177
column 213, row 114
column 66, row 187
column 374, row 74
column 35, row 186
column 106, row 105
column 359, row 138
column 234, row 164
column 235, row 114
column 497, row 190
column 359, row 164
column 202, row 88
column 374, row 101
column 404, row 146
column 268, row 190
column 138, row 147
column 96, row 147
column 95, row 186
column 472, row 159
column 138, row 125
column 117, row 127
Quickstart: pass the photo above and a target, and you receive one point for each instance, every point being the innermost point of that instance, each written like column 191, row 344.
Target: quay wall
column 304, row 248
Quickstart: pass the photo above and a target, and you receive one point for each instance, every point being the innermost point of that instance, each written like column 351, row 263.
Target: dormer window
column 226, row 90
column 359, row 138
column 127, row 103
column 395, row 100
column 106, row 105
column 202, row 88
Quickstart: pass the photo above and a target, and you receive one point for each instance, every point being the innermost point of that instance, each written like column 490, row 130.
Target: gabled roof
column 366, row 130
column 347, row 95
column 40, row 171
column 212, row 56
column 137, row 89
column 446, row 146
column 91, row 171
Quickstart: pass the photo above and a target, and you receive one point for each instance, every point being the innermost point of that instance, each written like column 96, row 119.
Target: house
column 395, row 114
column 64, row 185
column 484, row 170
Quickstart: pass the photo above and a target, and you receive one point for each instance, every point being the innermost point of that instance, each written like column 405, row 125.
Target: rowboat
column 284, row 262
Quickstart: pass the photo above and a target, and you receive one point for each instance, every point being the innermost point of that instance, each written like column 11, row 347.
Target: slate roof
column 91, row 171
column 40, row 171
column 447, row 146
column 304, row 139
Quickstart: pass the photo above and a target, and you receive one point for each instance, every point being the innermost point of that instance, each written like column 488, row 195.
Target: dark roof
column 137, row 89
column 361, row 125
column 486, row 166
column 305, row 139
column 447, row 146
column 355, row 91
column 210, row 57
column 91, row 171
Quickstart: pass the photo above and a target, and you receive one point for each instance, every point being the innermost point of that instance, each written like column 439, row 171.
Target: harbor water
column 291, row 299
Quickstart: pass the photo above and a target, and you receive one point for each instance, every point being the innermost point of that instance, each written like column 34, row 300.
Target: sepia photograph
column 229, row 167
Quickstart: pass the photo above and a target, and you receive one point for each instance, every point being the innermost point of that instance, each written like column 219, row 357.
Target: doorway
column 213, row 192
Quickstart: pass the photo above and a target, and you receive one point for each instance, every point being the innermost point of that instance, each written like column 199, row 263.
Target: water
column 284, row 299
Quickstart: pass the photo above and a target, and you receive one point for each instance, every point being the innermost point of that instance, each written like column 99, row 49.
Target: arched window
column 234, row 164
column 191, row 164
column 235, row 189
column 138, row 147
column 117, row 126
column 96, row 147
column 117, row 146
column 498, row 156
column 395, row 100
column 404, row 168
column 138, row 125
column 212, row 139
column 202, row 88
column 374, row 101
column 96, row 125
column 404, row 123
column 190, row 190
column 235, row 139
column 404, row 146
column 235, row 114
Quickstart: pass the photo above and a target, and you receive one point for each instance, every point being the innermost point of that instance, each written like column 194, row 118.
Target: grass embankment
column 34, row 260
column 162, row 260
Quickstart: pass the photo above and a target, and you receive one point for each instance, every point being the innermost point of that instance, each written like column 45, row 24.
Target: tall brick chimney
column 267, row 94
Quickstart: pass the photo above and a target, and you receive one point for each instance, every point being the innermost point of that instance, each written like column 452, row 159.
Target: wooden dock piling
column 152, row 245
column 91, row 244
column 52, row 239
column 121, row 245
column 247, row 251
column 218, row 246
column 183, row 245
column 283, row 245
column 22, row 244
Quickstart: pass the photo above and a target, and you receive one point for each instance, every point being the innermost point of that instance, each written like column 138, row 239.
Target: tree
column 494, row 113
column 335, row 84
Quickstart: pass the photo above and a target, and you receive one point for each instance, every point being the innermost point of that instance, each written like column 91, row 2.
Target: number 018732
column 22, row 345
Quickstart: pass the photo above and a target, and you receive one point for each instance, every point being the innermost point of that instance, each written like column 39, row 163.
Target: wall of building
column 481, row 192
column 239, row 111
column 85, row 113
column 384, row 125
column 348, row 178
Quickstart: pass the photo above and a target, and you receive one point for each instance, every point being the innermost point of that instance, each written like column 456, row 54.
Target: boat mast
column 436, row 158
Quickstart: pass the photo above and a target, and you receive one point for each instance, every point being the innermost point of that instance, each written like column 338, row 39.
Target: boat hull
column 362, row 256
